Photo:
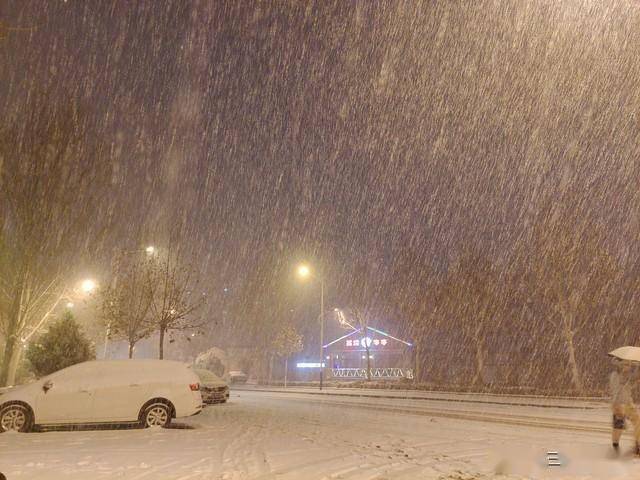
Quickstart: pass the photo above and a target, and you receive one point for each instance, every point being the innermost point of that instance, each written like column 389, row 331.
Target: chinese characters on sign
column 361, row 342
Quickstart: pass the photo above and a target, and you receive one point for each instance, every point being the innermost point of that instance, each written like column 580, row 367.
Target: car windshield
column 207, row 377
column 320, row 239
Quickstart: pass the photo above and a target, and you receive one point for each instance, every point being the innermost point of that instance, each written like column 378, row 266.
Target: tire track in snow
column 370, row 465
column 244, row 457
column 356, row 460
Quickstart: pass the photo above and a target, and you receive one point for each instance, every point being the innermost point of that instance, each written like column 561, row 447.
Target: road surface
column 299, row 435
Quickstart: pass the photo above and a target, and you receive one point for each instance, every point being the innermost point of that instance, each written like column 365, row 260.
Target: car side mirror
column 46, row 386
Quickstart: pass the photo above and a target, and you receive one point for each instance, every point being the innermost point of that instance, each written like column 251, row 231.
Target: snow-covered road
column 275, row 435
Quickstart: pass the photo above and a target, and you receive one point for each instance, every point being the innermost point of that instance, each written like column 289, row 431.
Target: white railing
column 375, row 373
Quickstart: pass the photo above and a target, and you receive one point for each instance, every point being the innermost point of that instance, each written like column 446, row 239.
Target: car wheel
column 15, row 418
column 156, row 415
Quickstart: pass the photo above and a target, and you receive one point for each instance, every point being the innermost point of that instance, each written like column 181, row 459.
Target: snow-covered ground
column 275, row 435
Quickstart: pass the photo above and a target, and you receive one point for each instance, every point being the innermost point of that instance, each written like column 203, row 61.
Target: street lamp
column 304, row 272
column 88, row 285
column 150, row 250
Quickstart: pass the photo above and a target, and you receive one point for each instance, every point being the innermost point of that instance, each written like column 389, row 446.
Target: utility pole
column 416, row 369
column 321, row 329
column 305, row 272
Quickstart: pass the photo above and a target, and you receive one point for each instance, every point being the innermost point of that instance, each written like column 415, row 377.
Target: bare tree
column 174, row 298
column 287, row 342
column 23, row 315
column 125, row 305
column 263, row 302
column 572, row 275
column 48, row 195
column 474, row 306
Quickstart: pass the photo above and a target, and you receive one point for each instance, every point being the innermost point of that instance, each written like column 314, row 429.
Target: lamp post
column 304, row 272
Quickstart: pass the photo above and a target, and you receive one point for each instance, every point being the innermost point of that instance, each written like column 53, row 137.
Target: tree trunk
column 9, row 363
column 576, row 377
column 161, row 347
column 366, row 346
column 131, row 345
column 480, row 360
column 15, row 363
column 286, row 365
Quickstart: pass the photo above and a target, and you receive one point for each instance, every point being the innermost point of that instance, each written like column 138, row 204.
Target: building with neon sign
column 391, row 358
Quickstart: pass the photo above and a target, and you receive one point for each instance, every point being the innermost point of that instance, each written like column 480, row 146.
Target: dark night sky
column 366, row 135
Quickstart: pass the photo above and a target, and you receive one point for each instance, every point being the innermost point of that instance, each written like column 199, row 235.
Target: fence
column 390, row 373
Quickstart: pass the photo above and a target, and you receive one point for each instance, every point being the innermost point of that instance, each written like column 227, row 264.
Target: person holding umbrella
column 621, row 383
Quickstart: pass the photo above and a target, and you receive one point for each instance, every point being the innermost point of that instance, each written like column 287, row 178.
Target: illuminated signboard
column 309, row 365
column 360, row 342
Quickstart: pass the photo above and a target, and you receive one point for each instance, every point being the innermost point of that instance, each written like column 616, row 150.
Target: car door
column 120, row 393
column 65, row 397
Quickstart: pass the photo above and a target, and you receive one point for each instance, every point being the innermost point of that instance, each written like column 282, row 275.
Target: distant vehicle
column 212, row 388
column 236, row 376
column 145, row 392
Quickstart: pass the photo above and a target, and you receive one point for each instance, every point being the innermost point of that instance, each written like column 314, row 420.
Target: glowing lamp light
column 88, row 286
column 150, row 250
column 304, row 271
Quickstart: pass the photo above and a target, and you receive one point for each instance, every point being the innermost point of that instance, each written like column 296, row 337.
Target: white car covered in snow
column 145, row 392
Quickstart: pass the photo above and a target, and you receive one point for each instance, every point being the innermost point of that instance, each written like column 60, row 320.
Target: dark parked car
column 212, row 388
